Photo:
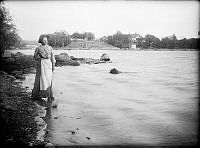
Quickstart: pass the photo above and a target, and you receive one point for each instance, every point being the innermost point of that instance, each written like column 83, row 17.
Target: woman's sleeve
column 53, row 60
column 36, row 55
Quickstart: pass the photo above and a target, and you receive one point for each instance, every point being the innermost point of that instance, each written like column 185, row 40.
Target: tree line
column 118, row 40
column 62, row 38
column 170, row 42
column 121, row 40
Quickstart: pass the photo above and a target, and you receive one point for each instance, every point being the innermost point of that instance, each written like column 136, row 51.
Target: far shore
column 114, row 49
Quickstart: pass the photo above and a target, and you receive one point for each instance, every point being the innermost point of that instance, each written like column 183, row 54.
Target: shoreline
column 18, row 113
column 21, row 117
column 20, row 107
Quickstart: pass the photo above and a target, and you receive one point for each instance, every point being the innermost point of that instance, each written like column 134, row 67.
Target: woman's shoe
column 54, row 104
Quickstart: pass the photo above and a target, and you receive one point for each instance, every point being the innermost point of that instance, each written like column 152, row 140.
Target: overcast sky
column 159, row 18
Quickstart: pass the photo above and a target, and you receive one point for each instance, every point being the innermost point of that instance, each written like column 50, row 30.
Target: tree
column 76, row 35
column 193, row 43
column 119, row 40
column 8, row 32
column 59, row 39
column 169, row 42
column 150, row 41
column 88, row 35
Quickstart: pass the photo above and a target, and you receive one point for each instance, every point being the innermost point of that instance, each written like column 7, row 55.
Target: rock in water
column 88, row 138
column 104, row 57
column 72, row 57
column 62, row 57
column 114, row 71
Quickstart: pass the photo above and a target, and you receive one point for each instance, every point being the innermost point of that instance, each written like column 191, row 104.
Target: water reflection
column 47, row 119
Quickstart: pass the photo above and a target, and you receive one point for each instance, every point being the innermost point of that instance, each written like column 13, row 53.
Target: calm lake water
column 153, row 102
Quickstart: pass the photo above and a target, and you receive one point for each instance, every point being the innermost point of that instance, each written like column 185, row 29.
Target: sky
column 159, row 18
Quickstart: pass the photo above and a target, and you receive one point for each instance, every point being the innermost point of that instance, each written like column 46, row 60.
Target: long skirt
column 43, row 80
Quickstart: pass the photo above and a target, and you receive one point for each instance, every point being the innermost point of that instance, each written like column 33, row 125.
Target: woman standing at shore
column 45, row 59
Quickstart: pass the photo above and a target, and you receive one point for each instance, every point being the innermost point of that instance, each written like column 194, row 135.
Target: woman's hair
column 43, row 36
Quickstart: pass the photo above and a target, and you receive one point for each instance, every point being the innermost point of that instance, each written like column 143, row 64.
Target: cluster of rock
column 64, row 59
column 19, row 64
column 104, row 57
column 23, row 61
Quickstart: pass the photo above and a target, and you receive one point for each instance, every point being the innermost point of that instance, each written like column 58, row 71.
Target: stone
column 73, row 63
column 114, row 71
column 62, row 57
column 21, row 77
column 69, row 63
column 73, row 58
column 54, row 105
column 29, row 70
column 11, row 77
column 3, row 73
column 88, row 138
column 16, row 72
column 104, row 57
column 7, row 76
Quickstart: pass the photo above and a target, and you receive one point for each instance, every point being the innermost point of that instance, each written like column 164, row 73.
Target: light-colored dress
column 45, row 59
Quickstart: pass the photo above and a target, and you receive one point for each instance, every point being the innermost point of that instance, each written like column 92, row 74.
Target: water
column 153, row 102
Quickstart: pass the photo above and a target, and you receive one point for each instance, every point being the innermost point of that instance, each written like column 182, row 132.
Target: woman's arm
column 53, row 60
column 36, row 54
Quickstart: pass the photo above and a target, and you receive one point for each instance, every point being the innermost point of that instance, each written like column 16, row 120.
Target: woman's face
column 44, row 41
